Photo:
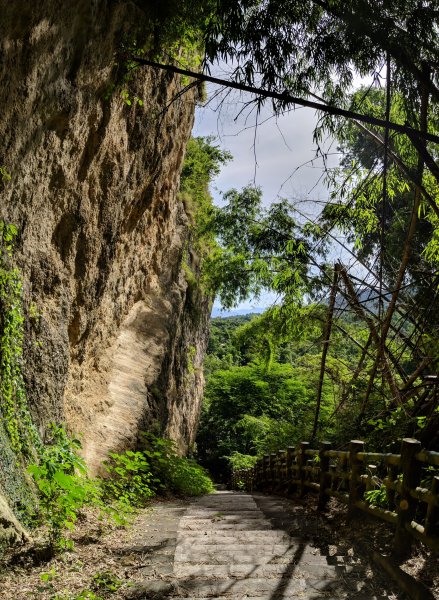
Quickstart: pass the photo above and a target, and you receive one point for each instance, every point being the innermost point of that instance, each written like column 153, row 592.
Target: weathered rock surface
column 115, row 340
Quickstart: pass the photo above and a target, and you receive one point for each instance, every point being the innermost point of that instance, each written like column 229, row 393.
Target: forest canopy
column 380, row 317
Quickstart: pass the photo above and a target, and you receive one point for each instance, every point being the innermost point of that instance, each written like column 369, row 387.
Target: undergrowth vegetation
column 13, row 403
column 19, row 439
column 132, row 479
column 64, row 488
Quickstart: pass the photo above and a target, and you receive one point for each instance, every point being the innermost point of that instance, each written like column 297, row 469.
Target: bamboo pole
column 326, row 340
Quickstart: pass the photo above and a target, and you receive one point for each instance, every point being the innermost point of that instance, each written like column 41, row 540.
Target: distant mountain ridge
column 236, row 312
column 367, row 297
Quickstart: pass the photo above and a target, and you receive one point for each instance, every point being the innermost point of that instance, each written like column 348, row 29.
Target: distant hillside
column 218, row 312
column 221, row 331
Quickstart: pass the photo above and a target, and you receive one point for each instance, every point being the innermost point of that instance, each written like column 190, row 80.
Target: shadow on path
column 241, row 546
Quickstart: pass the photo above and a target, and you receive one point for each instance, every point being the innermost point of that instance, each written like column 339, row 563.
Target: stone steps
column 256, row 549
column 256, row 570
column 259, row 525
column 296, row 596
column 235, row 546
column 258, row 538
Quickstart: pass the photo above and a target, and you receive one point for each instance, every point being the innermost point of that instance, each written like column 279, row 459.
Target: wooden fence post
column 432, row 510
column 324, row 475
column 255, row 474
column 289, row 469
column 280, row 467
column 277, row 469
column 354, row 480
column 260, row 476
column 301, row 461
column 411, row 475
column 266, row 460
column 272, row 471
column 258, row 473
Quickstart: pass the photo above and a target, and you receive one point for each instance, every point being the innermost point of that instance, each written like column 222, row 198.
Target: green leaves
column 135, row 477
column 242, row 461
column 260, row 248
column 175, row 473
column 202, row 163
column 60, row 476
column 377, row 497
column 13, row 403
column 106, row 581
column 260, row 392
column 129, row 480
column 250, row 410
column 301, row 47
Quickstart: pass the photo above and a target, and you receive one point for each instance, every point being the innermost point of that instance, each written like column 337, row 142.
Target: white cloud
column 278, row 154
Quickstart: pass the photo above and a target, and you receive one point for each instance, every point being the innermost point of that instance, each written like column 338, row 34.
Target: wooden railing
column 410, row 480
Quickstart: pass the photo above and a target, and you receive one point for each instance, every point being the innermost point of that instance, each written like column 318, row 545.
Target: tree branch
column 288, row 99
column 380, row 37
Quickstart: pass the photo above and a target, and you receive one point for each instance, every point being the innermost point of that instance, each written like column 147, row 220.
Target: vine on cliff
column 13, row 403
column 202, row 164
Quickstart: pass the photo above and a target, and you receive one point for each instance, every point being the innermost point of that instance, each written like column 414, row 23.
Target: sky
column 278, row 155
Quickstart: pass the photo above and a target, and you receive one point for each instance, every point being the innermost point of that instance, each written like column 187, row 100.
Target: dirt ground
column 99, row 566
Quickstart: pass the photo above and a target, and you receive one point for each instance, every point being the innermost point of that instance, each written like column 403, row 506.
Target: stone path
column 243, row 546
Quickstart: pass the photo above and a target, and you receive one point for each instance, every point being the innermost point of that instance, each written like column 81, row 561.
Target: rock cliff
column 115, row 336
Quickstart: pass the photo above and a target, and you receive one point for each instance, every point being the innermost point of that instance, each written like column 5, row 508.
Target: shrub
column 175, row 473
column 129, row 480
column 241, row 461
column 60, row 476
column 134, row 477
column 377, row 497
column 186, row 477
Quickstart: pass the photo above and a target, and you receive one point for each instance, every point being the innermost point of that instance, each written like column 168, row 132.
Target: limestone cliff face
column 115, row 339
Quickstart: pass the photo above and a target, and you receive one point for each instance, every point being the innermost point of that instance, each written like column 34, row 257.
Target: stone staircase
column 243, row 546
